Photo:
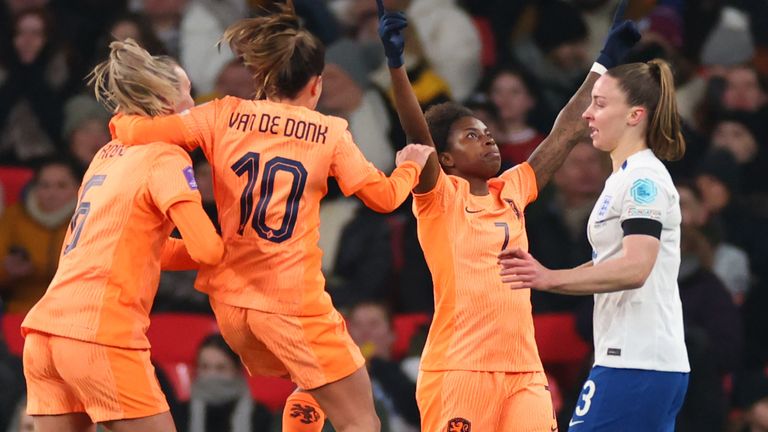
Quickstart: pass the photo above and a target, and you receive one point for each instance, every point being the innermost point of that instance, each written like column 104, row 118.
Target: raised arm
column 407, row 105
column 570, row 128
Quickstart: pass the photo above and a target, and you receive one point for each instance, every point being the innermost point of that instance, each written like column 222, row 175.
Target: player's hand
column 391, row 25
column 521, row 270
column 621, row 38
column 17, row 266
column 418, row 153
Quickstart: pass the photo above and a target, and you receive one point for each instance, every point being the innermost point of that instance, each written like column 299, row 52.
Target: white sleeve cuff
column 598, row 68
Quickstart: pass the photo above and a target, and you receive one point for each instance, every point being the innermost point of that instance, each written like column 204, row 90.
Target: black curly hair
column 440, row 118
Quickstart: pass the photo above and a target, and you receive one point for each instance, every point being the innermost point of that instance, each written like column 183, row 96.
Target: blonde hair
column 132, row 81
column 652, row 86
column 280, row 53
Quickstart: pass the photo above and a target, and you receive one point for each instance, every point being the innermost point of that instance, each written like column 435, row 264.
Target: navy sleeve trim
column 642, row 226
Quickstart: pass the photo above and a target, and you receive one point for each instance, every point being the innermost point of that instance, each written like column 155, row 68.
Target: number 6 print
column 81, row 214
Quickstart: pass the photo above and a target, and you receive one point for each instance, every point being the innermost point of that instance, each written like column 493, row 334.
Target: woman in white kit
column 640, row 375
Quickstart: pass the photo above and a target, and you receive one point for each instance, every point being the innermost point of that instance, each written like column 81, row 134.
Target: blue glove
column 621, row 38
column 391, row 25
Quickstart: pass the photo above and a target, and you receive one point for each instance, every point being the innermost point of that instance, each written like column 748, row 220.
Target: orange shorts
column 466, row 401
column 311, row 350
column 71, row 376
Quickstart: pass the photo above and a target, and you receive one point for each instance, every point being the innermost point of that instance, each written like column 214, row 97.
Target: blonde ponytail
column 132, row 81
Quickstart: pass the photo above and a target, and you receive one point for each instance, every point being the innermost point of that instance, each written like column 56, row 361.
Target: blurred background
column 515, row 63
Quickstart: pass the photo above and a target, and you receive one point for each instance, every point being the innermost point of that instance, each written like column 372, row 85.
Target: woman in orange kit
column 86, row 354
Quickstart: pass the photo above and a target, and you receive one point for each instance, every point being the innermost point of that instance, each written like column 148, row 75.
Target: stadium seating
column 175, row 338
column 404, row 326
column 12, row 333
column 562, row 350
column 13, row 180
column 270, row 391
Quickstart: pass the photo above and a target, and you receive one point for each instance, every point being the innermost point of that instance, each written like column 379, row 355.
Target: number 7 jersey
column 480, row 324
column 271, row 164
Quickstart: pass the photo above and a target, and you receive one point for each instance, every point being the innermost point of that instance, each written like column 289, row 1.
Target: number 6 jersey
column 271, row 164
column 109, row 266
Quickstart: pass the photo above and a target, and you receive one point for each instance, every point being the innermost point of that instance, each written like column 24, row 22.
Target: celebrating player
column 480, row 368
column 86, row 354
column 271, row 158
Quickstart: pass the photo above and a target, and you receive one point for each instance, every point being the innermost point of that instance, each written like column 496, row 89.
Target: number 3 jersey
column 480, row 324
column 109, row 265
column 639, row 328
column 270, row 164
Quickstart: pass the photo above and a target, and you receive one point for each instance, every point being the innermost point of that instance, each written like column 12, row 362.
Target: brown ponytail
column 132, row 81
column 281, row 54
column 651, row 85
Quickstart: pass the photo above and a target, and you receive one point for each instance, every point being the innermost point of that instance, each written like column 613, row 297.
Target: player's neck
column 624, row 150
column 302, row 100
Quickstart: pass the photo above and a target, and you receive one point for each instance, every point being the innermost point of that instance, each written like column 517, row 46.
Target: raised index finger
column 380, row 6
column 618, row 17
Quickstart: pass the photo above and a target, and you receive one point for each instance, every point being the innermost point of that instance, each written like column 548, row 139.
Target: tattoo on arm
column 568, row 130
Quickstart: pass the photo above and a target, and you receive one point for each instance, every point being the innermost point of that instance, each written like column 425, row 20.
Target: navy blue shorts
column 629, row 400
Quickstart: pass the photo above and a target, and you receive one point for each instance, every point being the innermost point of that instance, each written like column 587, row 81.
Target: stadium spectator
column 556, row 55
column 33, row 82
column 370, row 325
column 221, row 400
column 85, row 128
column 728, row 262
column 512, row 93
column 555, row 221
column 347, row 93
column 32, row 232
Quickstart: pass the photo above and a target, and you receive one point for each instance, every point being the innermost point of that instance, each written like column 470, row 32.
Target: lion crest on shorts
column 304, row 413
column 459, row 424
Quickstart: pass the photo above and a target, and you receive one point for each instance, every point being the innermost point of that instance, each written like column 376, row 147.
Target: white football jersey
column 639, row 328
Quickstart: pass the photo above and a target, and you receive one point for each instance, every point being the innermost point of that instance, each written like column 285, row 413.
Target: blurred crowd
column 516, row 64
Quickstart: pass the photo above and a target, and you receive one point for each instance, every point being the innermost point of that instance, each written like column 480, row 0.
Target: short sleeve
column 644, row 197
column 521, row 179
column 349, row 166
column 172, row 179
column 436, row 201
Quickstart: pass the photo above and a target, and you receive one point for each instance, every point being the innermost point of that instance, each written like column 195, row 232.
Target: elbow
column 636, row 277
column 211, row 256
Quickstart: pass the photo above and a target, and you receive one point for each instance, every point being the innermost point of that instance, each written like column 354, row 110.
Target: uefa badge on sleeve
column 189, row 174
column 643, row 191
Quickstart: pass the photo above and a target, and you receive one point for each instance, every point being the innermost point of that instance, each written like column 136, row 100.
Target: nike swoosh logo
column 574, row 423
column 472, row 211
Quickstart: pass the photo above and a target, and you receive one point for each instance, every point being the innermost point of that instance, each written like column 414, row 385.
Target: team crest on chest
column 514, row 207
column 459, row 424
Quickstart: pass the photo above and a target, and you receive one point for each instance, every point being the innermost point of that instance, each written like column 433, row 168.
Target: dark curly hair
column 440, row 118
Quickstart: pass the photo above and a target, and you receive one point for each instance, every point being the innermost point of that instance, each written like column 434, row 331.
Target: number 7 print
column 506, row 233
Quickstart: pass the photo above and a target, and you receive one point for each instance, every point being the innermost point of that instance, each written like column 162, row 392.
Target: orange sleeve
column 172, row 179
column 384, row 194
column 198, row 233
column 349, row 166
column 522, row 179
column 191, row 129
column 175, row 257
column 435, row 202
